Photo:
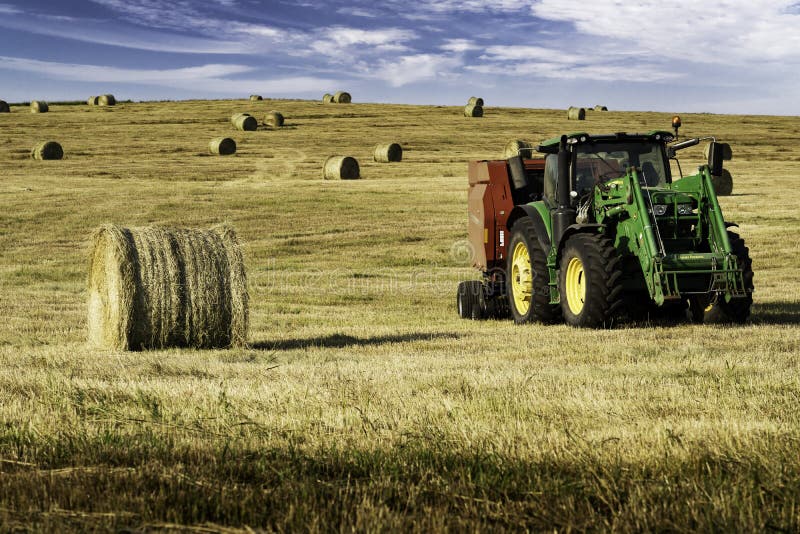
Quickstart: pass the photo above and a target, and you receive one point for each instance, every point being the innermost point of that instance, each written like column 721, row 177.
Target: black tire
column 738, row 309
column 539, row 308
column 469, row 300
column 598, row 270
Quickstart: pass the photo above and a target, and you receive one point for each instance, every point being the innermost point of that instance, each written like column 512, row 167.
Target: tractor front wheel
column 738, row 309
column 589, row 281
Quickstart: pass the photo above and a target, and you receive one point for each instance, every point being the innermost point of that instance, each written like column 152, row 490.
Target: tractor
column 595, row 230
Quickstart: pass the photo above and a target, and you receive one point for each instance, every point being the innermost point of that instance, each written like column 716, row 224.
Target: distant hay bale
column 518, row 147
column 327, row 98
column 47, row 150
column 255, row 98
column 342, row 97
column 723, row 185
column 473, row 110
column 727, row 152
column 341, row 168
column 600, row 108
column 388, row 152
column 153, row 287
column 92, row 100
column 576, row 114
column 4, row 107
column 475, row 101
column 246, row 123
column 274, row 119
column 39, row 107
column 106, row 100
column 222, row 146
column 236, row 116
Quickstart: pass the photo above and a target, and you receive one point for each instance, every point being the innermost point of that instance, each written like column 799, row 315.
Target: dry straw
column 342, row 98
column 475, row 101
column 473, row 110
column 222, row 146
column 153, row 287
column 39, row 107
column 4, row 107
column 388, row 152
column 518, row 147
column 255, row 98
column 600, row 108
column 723, row 184
column 246, row 123
column 576, row 114
column 47, row 150
column 727, row 152
column 341, row 168
column 327, row 98
column 106, row 100
column 274, row 119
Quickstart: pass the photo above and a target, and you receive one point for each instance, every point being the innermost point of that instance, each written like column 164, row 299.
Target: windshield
column 599, row 162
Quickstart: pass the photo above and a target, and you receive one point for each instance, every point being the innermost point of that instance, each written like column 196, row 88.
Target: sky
column 727, row 56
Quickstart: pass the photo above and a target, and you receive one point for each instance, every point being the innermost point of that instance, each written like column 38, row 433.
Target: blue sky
column 721, row 57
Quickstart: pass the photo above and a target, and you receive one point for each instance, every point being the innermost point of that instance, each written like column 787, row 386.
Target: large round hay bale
column 342, row 97
column 576, row 114
column 47, row 150
column 92, row 100
column 39, row 107
column 255, row 98
column 274, row 119
column 341, row 168
column 727, row 152
column 246, row 123
column 4, row 107
column 388, row 152
column 236, row 116
column 600, row 108
column 222, row 146
column 473, row 110
column 153, row 287
column 518, row 147
column 723, row 185
column 106, row 100
column 327, row 98
column 475, row 101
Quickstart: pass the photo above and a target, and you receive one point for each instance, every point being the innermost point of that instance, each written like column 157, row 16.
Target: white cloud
column 7, row 9
column 459, row 45
column 415, row 68
column 336, row 39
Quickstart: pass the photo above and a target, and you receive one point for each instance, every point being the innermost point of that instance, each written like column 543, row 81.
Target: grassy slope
column 365, row 402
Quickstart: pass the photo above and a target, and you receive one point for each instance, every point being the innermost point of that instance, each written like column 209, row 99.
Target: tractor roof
column 550, row 146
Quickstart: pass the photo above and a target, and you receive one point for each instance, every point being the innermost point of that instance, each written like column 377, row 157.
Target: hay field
column 364, row 403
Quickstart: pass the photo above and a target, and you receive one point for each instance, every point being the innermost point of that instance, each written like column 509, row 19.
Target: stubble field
column 364, row 403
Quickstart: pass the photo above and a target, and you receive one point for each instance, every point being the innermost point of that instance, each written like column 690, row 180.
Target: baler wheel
column 469, row 300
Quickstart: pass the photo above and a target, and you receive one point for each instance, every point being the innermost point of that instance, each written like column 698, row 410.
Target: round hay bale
column 600, row 108
column 388, row 152
column 473, row 110
column 723, row 185
column 222, row 146
column 246, row 123
column 576, row 114
column 342, row 97
column 274, row 119
column 153, row 287
column 92, row 100
column 518, row 147
column 327, row 98
column 106, row 100
column 47, row 150
column 236, row 116
column 727, row 152
column 341, row 168
column 475, row 101
column 39, row 107
column 255, row 98
column 4, row 107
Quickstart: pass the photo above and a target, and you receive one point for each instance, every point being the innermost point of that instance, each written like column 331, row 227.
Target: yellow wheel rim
column 521, row 278
column 575, row 280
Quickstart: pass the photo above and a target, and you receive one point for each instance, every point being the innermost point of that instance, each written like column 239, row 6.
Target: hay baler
column 595, row 228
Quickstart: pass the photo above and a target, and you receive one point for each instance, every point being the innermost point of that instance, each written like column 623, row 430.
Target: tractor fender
column 526, row 210
column 573, row 229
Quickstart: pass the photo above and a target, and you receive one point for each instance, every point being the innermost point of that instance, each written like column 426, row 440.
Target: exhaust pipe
column 564, row 214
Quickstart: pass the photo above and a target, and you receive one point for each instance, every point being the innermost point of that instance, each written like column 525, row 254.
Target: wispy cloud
column 7, row 9
column 415, row 68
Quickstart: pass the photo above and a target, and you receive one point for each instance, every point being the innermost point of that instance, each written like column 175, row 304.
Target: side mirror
column 716, row 155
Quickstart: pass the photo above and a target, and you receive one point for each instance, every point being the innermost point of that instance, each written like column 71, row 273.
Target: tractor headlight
column 685, row 209
column 659, row 210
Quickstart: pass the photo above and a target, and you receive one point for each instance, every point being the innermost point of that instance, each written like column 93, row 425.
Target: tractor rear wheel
column 738, row 309
column 527, row 276
column 589, row 281
column 469, row 300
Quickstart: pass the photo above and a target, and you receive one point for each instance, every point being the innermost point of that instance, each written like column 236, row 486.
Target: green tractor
column 596, row 229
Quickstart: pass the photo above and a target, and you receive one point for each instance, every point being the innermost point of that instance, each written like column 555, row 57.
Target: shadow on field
column 337, row 341
column 787, row 313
